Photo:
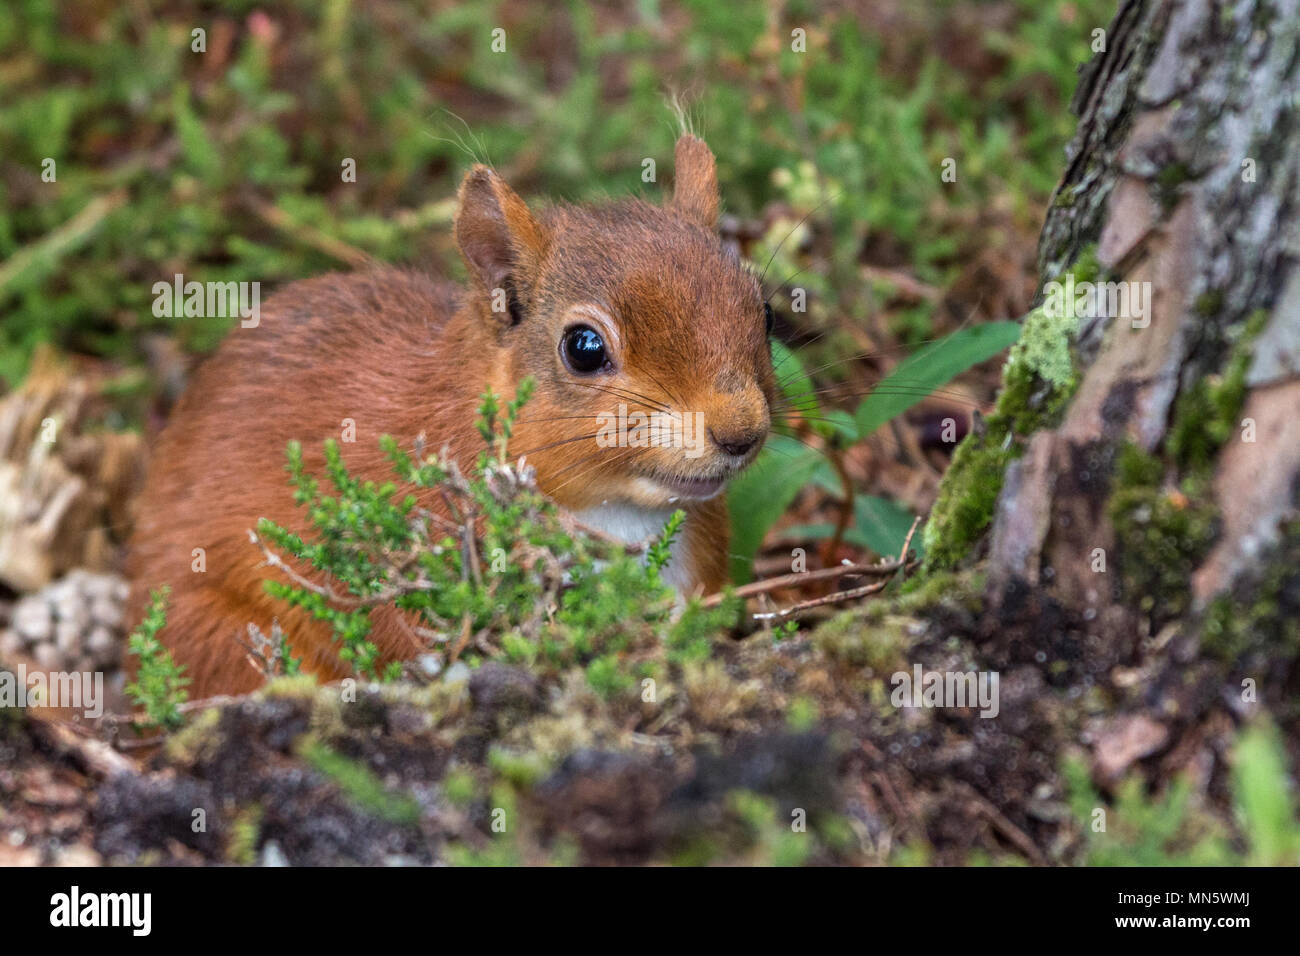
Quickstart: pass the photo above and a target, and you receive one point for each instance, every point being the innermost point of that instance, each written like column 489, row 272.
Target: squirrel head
column 647, row 338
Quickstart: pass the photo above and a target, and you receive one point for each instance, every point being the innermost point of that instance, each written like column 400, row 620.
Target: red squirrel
column 618, row 302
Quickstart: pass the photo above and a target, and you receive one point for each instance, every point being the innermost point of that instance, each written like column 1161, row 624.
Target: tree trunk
column 1155, row 509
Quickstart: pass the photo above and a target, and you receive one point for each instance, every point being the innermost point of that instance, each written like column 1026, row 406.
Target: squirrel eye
column 584, row 349
column 769, row 316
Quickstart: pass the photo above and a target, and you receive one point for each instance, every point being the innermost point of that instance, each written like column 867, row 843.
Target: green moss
column 1208, row 410
column 361, row 786
column 245, row 832
column 299, row 687
column 197, row 738
column 959, row 590
column 878, row 643
column 1038, row 380
column 11, row 718
column 1263, row 617
column 522, row 769
column 802, row 714
column 964, row 507
column 1209, row 303
column 1168, row 181
column 459, row 788
column 1163, row 532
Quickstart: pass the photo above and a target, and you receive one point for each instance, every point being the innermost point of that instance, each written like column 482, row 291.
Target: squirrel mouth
column 699, row 488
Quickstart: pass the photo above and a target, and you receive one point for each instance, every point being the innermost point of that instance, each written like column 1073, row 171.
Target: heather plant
column 496, row 572
column 159, row 685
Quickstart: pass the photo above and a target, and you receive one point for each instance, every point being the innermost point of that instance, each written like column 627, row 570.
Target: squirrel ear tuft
column 500, row 240
column 695, row 191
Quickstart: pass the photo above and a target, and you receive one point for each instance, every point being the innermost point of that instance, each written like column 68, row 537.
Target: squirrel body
column 620, row 303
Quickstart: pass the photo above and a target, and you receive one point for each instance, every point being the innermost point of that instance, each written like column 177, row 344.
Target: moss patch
column 1038, row 381
column 1207, row 411
column 1264, row 618
column 357, row 781
column 1163, row 532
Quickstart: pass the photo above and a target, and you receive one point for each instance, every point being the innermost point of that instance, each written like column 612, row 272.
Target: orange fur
column 400, row 354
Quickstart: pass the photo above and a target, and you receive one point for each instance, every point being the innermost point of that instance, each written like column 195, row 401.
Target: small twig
column 1003, row 825
column 95, row 755
column 901, row 566
column 469, row 536
column 907, row 542
column 466, row 631
column 804, row 577
column 189, row 706
column 52, row 247
column 332, row 246
column 905, row 285
column 404, row 585
column 835, row 598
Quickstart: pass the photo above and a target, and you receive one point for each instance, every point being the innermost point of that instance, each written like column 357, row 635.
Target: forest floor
column 764, row 748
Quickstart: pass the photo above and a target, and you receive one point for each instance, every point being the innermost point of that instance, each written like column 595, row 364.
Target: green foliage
column 1264, row 798
column 1172, row 830
column 929, row 369
column 360, row 784
column 661, row 549
column 194, row 139
column 1142, row 831
column 492, row 570
column 760, row 496
column 880, row 525
column 496, row 423
column 159, row 686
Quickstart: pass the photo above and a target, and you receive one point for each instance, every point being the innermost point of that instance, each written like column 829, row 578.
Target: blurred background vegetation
column 226, row 164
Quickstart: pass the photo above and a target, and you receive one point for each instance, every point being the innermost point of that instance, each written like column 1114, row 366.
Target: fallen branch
column 803, row 577
column 900, row 565
column 836, row 598
column 94, row 755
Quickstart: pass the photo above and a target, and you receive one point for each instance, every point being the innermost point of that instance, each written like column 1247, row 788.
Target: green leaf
column 1263, row 797
column 761, row 494
column 932, row 367
column 795, row 384
column 881, row 526
column 201, row 156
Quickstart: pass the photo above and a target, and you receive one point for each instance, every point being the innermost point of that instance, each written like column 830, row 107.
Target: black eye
column 584, row 349
column 769, row 316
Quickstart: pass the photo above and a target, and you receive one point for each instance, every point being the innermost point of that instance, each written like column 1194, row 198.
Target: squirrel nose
column 735, row 443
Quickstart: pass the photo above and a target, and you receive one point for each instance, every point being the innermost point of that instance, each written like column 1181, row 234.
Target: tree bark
column 1162, row 502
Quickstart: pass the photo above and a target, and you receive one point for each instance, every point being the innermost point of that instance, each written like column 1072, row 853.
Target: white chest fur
column 631, row 524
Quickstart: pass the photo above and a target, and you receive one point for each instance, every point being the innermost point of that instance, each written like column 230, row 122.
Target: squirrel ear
column 501, row 241
column 695, row 191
